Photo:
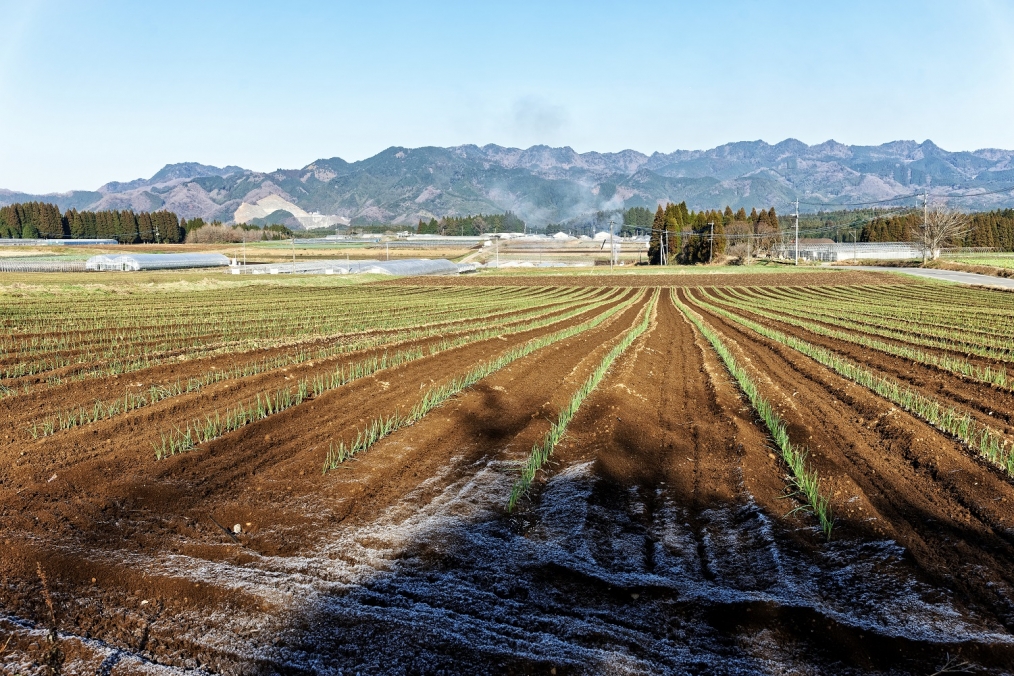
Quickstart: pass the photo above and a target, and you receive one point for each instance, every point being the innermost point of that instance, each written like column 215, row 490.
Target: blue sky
column 98, row 91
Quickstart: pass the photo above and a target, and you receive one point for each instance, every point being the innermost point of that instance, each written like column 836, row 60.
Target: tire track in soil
column 503, row 410
column 570, row 585
column 892, row 476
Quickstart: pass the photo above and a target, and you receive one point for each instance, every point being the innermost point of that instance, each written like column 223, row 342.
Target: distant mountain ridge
column 169, row 173
column 543, row 184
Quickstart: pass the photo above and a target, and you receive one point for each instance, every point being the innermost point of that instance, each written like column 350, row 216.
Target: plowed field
column 315, row 479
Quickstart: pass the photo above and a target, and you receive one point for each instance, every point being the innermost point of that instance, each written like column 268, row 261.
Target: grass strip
column 542, row 451
column 989, row 443
column 805, row 480
column 437, row 395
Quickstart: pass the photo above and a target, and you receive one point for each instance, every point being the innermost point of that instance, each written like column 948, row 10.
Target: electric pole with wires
column 797, row 231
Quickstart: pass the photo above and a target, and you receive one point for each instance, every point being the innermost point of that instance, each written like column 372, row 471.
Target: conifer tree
column 76, row 224
column 654, row 244
column 721, row 242
column 145, row 233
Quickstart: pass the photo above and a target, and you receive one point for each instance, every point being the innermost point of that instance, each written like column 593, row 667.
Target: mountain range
column 553, row 185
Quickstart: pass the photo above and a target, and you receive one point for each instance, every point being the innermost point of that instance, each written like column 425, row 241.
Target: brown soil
column 891, row 475
column 657, row 541
column 911, row 330
column 17, row 413
column 273, row 483
column 686, row 279
column 987, row 404
column 197, row 348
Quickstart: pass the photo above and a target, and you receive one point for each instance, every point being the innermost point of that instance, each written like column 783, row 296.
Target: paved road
column 946, row 275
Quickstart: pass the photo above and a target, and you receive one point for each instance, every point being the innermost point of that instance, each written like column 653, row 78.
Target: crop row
column 542, row 451
column 140, row 347
column 357, row 339
column 435, row 396
column 992, row 340
column 187, row 332
column 805, row 479
column 212, row 427
column 101, row 410
column 986, row 441
column 986, row 374
column 904, row 331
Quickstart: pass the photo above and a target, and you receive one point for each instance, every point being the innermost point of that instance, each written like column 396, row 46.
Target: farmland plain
column 742, row 472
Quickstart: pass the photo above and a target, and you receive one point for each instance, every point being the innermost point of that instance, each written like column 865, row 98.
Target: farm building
column 829, row 251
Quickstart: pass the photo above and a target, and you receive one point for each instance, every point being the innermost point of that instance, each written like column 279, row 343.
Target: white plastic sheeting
column 843, row 251
column 177, row 261
column 407, row 267
column 30, row 265
column 55, row 242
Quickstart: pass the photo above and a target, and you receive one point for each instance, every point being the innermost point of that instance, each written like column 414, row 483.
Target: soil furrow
column 23, row 410
column 891, row 475
column 505, row 411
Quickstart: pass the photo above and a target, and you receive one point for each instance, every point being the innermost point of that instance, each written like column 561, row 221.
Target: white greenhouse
column 408, row 267
column 175, row 261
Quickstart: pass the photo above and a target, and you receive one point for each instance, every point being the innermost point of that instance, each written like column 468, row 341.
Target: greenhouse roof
column 408, row 266
column 140, row 261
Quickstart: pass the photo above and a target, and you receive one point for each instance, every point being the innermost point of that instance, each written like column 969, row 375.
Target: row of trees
column 687, row 237
column 993, row 229
column 31, row 220
column 479, row 224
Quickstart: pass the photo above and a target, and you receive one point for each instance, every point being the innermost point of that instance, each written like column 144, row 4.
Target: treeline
column 472, row 225
column 687, row 237
column 994, row 229
column 637, row 221
column 34, row 220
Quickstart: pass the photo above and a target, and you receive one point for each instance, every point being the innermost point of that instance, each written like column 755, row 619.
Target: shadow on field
column 583, row 582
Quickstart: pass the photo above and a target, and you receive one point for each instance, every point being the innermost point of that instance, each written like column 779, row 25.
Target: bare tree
column 940, row 226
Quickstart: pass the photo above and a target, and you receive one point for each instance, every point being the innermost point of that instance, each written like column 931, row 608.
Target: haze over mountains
column 552, row 185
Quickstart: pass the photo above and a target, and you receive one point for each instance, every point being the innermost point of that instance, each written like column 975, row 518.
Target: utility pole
column 711, row 245
column 293, row 240
column 496, row 249
column 749, row 241
column 855, row 247
column 612, row 249
column 925, row 224
column 797, row 231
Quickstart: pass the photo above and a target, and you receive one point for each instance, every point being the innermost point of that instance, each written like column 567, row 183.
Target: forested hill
column 544, row 185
